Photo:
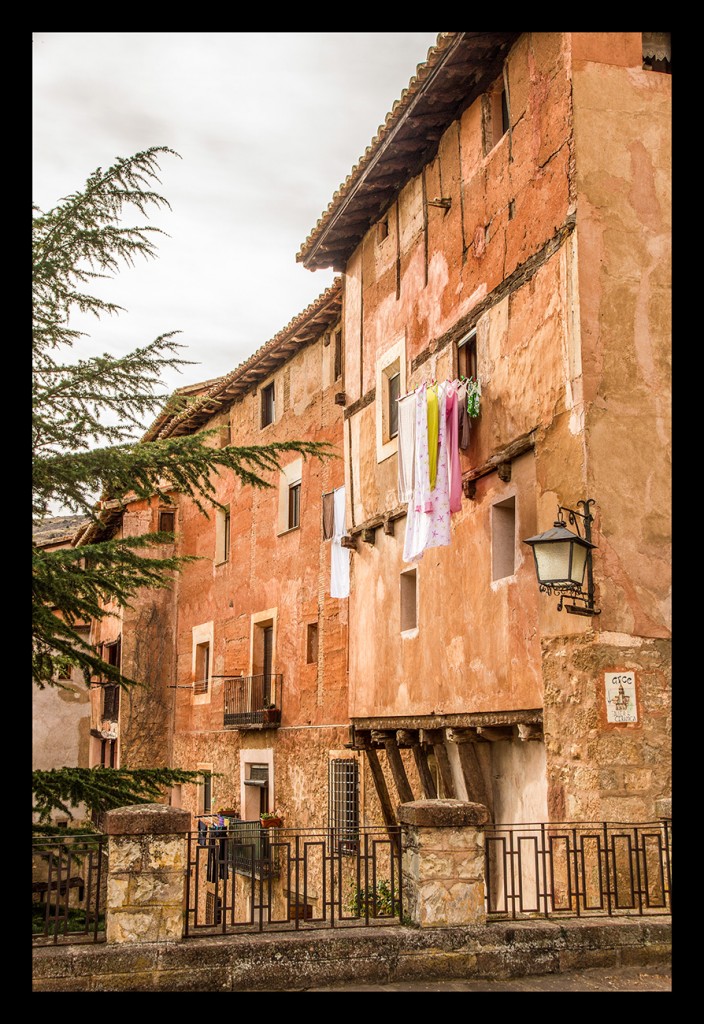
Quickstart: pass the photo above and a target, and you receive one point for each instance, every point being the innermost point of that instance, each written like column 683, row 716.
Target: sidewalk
column 657, row 978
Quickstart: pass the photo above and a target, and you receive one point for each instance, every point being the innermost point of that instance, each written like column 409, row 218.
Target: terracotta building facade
column 511, row 223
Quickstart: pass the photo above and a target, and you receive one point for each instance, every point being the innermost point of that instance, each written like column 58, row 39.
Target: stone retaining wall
column 296, row 962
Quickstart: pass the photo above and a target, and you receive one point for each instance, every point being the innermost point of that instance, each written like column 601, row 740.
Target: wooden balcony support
column 477, row 791
column 436, row 737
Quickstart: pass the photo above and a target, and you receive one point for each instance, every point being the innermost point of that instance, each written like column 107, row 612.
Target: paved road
column 608, row 979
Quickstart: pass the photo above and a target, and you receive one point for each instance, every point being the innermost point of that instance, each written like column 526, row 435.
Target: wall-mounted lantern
column 562, row 559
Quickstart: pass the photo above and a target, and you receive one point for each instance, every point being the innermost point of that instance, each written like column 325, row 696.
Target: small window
column 503, row 539
column 267, row 394
column 312, row 643
column 200, row 684
column 383, row 229
column 167, row 521
column 222, row 535
column 338, row 354
column 409, row 600
column 657, row 52
column 467, row 356
column 294, row 505
column 394, row 393
column 205, row 792
column 111, row 702
column 343, row 803
column 108, row 753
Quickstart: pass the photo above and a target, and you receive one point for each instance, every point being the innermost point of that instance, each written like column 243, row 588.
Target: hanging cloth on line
column 428, row 516
column 339, row 556
column 406, row 446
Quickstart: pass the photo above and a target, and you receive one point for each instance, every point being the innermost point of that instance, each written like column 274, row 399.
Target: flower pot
column 272, row 822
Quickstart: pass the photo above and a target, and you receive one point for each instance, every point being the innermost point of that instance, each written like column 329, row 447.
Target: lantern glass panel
column 553, row 561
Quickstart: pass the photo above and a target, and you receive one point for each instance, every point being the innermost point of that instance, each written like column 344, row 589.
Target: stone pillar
column 443, row 862
column 146, row 873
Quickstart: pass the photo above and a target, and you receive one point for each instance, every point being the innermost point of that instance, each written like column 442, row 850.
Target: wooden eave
column 457, row 71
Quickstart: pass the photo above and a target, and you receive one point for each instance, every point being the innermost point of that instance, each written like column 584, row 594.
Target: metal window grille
column 343, row 802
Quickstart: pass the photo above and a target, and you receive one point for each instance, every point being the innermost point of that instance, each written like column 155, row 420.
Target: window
column 111, row 702
column 495, row 114
column 222, row 535
column 202, row 668
column 383, row 229
column 312, row 643
column 108, row 753
column 289, row 513
column 294, row 505
column 167, row 521
column 390, row 385
column 267, row 394
column 343, row 802
column 205, row 789
column 394, row 393
column 257, row 790
column 409, row 600
column 467, row 355
column 503, row 538
column 338, row 353
column 657, row 55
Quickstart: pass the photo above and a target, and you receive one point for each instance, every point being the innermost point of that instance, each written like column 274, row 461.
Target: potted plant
column 271, row 819
column 270, row 713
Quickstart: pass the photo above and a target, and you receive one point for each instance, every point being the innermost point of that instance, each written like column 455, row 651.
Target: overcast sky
column 268, row 125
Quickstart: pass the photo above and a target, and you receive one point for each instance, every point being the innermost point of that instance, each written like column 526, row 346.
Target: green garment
column 433, row 422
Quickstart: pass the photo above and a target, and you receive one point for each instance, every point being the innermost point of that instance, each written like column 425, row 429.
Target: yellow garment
column 433, row 422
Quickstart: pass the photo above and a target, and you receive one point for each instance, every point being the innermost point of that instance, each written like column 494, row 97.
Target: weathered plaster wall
column 287, row 574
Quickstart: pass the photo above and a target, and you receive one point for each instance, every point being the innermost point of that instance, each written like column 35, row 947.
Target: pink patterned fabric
column 428, row 517
column 452, row 416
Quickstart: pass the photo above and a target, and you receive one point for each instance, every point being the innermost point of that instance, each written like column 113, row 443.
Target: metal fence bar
column 286, row 872
column 68, row 889
column 608, row 868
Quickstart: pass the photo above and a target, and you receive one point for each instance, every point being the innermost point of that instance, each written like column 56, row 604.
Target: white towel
column 339, row 556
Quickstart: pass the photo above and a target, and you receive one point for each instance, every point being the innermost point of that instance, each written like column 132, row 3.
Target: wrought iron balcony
column 253, row 701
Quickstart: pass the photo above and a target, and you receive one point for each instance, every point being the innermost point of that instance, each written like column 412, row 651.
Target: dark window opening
column 207, row 792
column 338, row 354
column 312, row 643
column 394, row 394
column 505, row 123
column 267, row 394
column 657, row 52
column 467, row 357
column 202, row 670
column 383, row 229
column 167, row 521
column 294, row 505
column 111, row 702
column 108, row 753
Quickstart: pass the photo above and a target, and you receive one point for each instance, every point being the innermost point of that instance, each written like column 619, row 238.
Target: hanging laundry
column 406, row 446
column 428, row 516
column 453, row 451
column 328, row 515
column 433, row 421
column 339, row 556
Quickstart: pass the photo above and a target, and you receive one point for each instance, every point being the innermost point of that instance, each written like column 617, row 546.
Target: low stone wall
column 296, row 962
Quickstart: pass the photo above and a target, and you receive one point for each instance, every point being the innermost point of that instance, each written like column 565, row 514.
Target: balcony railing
column 253, row 701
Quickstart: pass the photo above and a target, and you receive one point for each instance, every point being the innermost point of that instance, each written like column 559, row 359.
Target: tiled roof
column 58, row 530
column 457, row 70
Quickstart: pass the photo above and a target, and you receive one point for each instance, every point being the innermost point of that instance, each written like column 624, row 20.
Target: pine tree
column 87, row 417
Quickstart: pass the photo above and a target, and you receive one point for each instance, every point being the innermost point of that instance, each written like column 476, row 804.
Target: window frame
column 466, row 352
column 165, row 513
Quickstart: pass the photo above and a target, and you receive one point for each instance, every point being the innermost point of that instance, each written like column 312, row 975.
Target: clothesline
column 457, row 382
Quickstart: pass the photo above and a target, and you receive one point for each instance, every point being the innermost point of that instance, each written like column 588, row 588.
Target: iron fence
column 246, row 878
column 69, row 879
column 578, row 869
